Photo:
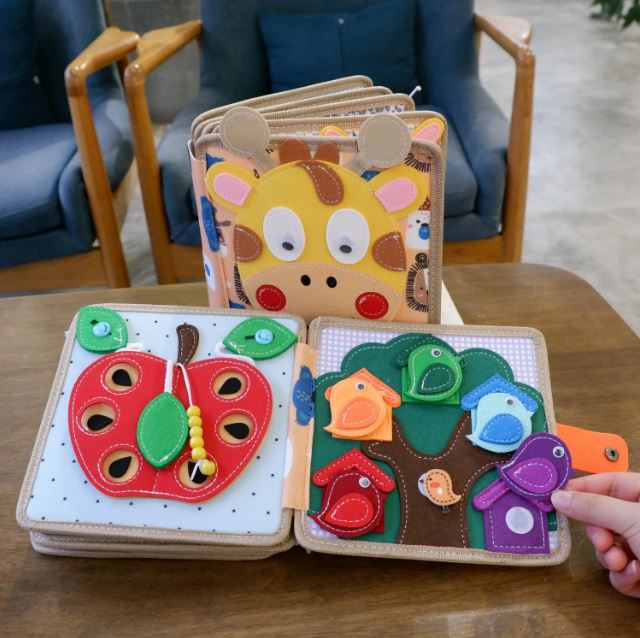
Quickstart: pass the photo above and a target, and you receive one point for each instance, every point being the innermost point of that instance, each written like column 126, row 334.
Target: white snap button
column 519, row 520
column 340, row 21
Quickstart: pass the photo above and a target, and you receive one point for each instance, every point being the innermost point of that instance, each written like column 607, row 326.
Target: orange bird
column 361, row 408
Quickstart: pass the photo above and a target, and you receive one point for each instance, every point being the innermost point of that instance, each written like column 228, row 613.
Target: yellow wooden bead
column 207, row 468
column 198, row 453
column 196, row 441
column 195, row 421
column 196, row 431
column 193, row 410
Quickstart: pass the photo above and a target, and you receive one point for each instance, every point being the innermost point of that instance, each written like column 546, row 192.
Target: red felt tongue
column 351, row 511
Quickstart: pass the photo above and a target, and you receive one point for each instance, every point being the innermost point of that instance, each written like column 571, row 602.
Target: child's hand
column 610, row 505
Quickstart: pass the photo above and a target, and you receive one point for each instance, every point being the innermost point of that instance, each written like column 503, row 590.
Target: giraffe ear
column 400, row 189
column 230, row 185
column 430, row 130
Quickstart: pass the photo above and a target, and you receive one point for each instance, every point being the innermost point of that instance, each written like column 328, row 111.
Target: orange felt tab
column 595, row 451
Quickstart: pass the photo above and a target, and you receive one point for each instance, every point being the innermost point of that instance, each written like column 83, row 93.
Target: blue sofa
column 44, row 207
column 234, row 65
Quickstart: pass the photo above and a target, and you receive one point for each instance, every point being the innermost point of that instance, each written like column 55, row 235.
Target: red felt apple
column 110, row 395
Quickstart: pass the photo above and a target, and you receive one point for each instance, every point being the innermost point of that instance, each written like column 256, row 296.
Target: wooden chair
column 513, row 35
column 84, row 264
column 178, row 262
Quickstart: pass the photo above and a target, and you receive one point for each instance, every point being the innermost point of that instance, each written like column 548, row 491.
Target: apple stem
column 188, row 338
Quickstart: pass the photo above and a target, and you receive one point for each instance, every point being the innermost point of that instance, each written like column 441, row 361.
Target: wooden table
column 595, row 372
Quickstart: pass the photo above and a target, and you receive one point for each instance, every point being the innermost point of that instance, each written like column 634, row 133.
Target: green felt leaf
column 100, row 329
column 162, row 430
column 250, row 338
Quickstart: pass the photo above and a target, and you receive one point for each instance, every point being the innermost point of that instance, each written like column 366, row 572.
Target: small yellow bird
column 437, row 486
column 361, row 408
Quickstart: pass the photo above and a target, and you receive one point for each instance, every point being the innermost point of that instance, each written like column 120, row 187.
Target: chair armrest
column 109, row 47
column 154, row 48
column 510, row 33
column 157, row 46
column 513, row 36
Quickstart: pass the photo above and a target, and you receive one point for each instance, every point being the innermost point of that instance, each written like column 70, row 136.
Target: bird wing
column 435, row 379
column 502, row 428
column 534, row 476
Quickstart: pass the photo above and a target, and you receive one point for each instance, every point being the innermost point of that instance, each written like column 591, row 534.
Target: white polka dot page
column 251, row 501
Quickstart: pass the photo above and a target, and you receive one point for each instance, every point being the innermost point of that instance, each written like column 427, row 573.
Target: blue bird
column 500, row 415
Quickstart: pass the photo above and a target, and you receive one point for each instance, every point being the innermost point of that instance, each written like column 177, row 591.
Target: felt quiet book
column 328, row 200
column 233, row 434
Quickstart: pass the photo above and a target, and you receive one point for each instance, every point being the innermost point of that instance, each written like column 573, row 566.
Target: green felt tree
column 428, row 428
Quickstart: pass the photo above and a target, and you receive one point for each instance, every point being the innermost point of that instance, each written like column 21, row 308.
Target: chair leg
column 515, row 197
column 149, row 175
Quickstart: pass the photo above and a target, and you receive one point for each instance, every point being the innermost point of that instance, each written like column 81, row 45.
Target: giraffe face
column 314, row 234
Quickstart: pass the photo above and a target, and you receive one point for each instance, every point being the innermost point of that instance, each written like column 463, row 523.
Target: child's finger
column 602, row 539
column 624, row 485
column 628, row 580
column 603, row 511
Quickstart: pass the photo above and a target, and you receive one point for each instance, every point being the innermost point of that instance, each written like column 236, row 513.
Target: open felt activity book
column 201, row 433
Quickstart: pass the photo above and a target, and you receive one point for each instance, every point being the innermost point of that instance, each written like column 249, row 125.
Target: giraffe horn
column 383, row 141
column 245, row 132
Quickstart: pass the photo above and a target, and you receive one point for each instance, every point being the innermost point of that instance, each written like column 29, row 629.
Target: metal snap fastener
column 612, row 454
column 340, row 21
column 264, row 336
column 363, row 481
column 101, row 329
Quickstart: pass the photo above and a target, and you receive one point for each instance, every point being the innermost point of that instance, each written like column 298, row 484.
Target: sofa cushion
column 377, row 41
column 22, row 99
column 32, row 161
column 175, row 170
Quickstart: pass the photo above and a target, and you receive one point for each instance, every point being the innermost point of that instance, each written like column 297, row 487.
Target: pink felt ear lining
column 431, row 132
column 231, row 188
column 397, row 194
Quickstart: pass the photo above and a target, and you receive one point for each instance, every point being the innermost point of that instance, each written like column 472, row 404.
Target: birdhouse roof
column 497, row 383
column 354, row 459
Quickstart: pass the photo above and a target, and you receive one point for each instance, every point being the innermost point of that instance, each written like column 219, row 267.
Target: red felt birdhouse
column 353, row 497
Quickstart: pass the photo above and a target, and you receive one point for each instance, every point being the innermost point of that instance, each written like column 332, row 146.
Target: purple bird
column 515, row 505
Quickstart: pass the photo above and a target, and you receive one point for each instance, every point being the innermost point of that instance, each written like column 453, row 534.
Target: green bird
column 435, row 374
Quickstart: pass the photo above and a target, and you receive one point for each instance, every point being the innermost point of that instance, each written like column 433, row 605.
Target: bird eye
column 284, row 233
column 558, row 451
column 510, row 401
column 436, row 352
column 360, row 386
column 347, row 236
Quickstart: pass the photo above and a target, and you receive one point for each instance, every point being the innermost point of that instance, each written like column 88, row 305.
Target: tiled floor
column 584, row 191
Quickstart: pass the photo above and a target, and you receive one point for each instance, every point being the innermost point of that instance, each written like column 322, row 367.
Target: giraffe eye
column 347, row 236
column 360, row 386
column 284, row 233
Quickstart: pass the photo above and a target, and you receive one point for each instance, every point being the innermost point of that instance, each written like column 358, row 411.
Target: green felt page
column 385, row 362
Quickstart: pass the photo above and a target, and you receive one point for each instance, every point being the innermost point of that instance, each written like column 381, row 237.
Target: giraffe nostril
column 331, row 282
column 305, row 280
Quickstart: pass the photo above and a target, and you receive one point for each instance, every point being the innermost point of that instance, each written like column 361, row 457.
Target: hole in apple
column 190, row 479
column 229, row 385
column 121, row 377
column 120, row 466
column 235, row 428
column 97, row 418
